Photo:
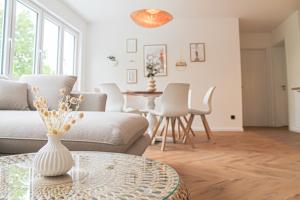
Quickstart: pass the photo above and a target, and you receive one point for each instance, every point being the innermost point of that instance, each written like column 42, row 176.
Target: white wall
column 63, row 12
column 255, row 40
column 221, row 69
column 289, row 31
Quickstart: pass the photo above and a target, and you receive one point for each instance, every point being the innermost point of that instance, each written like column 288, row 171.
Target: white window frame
column 53, row 20
column 8, row 38
column 76, row 48
column 34, row 8
column 2, row 69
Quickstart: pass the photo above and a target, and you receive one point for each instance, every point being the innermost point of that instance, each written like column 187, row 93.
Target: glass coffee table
column 94, row 176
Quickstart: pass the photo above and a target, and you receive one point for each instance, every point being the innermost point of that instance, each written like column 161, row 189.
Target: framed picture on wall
column 197, row 52
column 156, row 55
column 131, row 76
column 131, row 45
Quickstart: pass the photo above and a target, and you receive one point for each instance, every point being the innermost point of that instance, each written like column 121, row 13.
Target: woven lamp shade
column 151, row 18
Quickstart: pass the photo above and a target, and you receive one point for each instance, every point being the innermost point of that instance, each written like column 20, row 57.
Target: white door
column 280, row 86
column 254, row 83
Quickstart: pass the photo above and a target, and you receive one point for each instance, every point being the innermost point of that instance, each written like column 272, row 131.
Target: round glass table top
column 95, row 175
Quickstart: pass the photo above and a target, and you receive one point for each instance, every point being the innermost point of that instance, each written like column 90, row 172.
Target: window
column 33, row 41
column 2, row 18
column 24, row 40
column 69, row 53
column 50, row 48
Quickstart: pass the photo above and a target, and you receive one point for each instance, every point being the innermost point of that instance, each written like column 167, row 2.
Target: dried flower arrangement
column 58, row 122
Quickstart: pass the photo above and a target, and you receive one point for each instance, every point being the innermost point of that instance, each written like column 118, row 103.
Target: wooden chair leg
column 155, row 130
column 173, row 121
column 179, row 131
column 186, row 133
column 163, row 144
column 206, row 127
column 162, row 131
column 188, row 126
column 186, row 121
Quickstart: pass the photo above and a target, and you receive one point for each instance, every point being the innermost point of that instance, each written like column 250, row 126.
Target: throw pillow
column 49, row 86
column 13, row 95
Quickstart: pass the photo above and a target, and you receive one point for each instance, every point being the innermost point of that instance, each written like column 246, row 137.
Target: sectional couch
column 22, row 130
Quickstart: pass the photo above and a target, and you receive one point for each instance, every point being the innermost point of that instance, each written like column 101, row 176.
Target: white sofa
column 22, row 130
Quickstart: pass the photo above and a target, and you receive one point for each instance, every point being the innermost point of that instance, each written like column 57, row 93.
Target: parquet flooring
column 258, row 164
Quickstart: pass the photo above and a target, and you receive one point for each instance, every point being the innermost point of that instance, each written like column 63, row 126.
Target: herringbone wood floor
column 258, row 164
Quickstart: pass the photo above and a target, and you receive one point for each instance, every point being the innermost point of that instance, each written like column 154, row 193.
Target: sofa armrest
column 92, row 101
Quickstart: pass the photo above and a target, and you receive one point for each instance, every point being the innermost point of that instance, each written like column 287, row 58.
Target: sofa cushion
column 92, row 101
column 49, row 86
column 113, row 131
column 3, row 77
column 13, row 95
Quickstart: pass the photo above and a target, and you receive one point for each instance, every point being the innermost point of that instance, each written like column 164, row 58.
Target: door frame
column 270, row 95
column 274, row 108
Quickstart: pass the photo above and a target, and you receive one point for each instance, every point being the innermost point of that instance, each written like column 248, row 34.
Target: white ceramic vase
column 151, row 87
column 54, row 159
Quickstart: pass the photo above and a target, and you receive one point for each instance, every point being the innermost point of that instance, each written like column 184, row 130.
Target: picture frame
column 131, row 45
column 157, row 54
column 197, row 52
column 131, row 76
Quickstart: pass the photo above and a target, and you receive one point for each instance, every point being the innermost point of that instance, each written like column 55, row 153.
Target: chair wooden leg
column 188, row 126
column 173, row 121
column 163, row 144
column 162, row 131
column 186, row 121
column 179, row 131
column 155, row 130
column 206, row 127
column 186, row 133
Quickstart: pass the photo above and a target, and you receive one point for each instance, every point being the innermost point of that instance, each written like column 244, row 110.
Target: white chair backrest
column 115, row 99
column 174, row 101
column 207, row 99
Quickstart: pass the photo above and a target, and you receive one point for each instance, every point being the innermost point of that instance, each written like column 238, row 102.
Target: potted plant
column 113, row 60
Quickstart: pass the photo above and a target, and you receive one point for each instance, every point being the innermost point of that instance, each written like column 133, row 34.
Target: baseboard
column 216, row 129
column 225, row 129
column 294, row 129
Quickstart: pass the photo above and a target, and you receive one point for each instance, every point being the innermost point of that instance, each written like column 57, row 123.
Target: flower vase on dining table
column 151, row 87
column 152, row 71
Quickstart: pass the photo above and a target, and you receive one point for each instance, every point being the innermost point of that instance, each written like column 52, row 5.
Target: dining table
column 150, row 105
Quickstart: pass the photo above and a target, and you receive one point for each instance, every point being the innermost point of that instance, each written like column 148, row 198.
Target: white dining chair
column 207, row 103
column 173, row 106
column 115, row 99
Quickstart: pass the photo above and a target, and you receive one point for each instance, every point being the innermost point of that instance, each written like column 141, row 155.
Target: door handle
column 283, row 87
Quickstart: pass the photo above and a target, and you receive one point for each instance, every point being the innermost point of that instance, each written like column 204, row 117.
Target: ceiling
column 255, row 15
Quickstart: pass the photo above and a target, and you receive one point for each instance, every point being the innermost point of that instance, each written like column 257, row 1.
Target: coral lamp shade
column 151, row 18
